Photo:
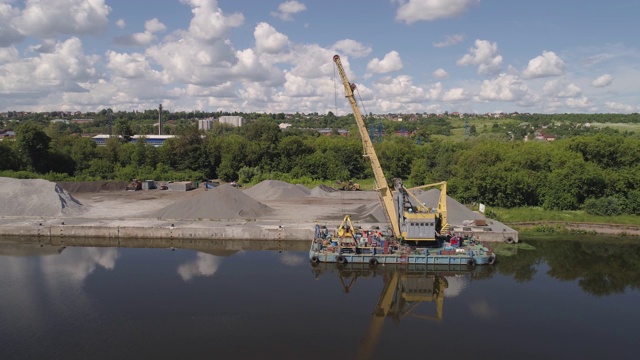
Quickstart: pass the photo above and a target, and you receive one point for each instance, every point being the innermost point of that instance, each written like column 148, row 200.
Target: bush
column 605, row 206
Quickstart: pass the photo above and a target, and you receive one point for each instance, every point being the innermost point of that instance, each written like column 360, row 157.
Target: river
column 82, row 299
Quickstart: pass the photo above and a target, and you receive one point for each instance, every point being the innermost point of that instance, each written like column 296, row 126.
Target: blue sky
column 406, row 56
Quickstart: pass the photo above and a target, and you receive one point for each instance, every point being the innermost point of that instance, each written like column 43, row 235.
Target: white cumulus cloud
column 440, row 74
column 145, row 38
column 352, row 48
column 391, row 62
column 485, row 55
column 120, row 23
column 287, row 9
column 450, row 40
column 547, row 64
column 619, row 107
column 47, row 19
column 602, row 81
column 559, row 88
column 268, row 39
column 9, row 33
column 60, row 70
column 209, row 23
column 154, row 25
column 579, row 103
column 455, row 94
column 411, row 11
column 505, row 87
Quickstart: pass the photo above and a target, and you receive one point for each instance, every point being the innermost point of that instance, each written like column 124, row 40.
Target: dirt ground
column 142, row 203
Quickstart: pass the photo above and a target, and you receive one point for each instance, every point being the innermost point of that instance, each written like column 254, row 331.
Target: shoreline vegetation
column 536, row 220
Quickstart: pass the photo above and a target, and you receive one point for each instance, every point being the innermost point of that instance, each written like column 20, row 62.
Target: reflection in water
column 457, row 283
column 601, row 268
column 46, row 281
column 203, row 265
column 291, row 259
column 78, row 263
column 404, row 289
column 482, row 309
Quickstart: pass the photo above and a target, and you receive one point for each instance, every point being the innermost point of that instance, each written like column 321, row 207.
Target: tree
column 33, row 146
column 123, row 128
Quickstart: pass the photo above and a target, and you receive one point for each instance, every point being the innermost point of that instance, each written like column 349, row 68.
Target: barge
column 349, row 245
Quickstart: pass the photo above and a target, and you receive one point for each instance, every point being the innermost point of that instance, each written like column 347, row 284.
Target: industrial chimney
column 160, row 120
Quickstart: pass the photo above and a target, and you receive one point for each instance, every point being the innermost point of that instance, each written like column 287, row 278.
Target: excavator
column 411, row 221
column 348, row 185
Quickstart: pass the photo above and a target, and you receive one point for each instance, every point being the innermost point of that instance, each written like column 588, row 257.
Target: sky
column 405, row 56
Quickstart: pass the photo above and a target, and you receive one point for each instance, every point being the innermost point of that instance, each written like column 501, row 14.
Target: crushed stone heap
column 456, row 212
column 222, row 202
column 277, row 190
column 36, row 197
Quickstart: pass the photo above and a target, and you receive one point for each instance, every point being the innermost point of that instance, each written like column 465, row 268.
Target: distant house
column 327, row 132
column 80, row 121
column 7, row 134
column 155, row 140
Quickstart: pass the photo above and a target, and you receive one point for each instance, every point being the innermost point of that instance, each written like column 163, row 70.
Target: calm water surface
column 565, row 300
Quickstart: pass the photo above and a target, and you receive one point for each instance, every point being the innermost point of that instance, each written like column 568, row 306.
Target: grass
column 618, row 126
column 531, row 214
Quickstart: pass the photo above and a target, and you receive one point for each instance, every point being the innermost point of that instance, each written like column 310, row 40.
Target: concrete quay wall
column 237, row 232
column 212, row 230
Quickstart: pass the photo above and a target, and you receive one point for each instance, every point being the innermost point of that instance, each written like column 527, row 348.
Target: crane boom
column 381, row 185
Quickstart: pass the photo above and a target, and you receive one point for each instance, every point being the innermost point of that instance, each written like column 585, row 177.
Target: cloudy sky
column 406, row 56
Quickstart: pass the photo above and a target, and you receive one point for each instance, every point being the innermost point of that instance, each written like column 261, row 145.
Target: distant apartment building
column 205, row 124
column 231, row 120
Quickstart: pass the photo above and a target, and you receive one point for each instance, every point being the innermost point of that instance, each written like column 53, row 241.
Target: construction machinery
column 410, row 219
column 134, row 185
column 348, row 185
column 417, row 233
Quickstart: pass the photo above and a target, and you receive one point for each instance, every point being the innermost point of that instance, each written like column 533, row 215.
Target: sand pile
column 92, row 186
column 36, row 197
column 456, row 212
column 222, row 202
column 277, row 190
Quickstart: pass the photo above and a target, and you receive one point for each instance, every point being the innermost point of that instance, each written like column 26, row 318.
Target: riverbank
column 577, row 228
column 271, row 210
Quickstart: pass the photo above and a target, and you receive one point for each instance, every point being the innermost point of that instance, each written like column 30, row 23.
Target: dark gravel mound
column 92, row 186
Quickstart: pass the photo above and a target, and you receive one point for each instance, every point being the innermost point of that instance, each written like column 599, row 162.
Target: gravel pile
column 222, row 202
column 277, row 190
column 36, row 197
column 322, row 191
column 369, row 213
column 92, row 186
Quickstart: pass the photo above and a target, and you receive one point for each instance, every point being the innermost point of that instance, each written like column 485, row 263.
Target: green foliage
column 246, row 174
column 605, row 206
column 494, row 168
column 33, row 146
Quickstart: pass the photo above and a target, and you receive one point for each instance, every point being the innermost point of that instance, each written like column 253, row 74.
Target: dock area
column 271, row 210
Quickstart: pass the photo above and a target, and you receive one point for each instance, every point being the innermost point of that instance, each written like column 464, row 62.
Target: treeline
column 599, row 172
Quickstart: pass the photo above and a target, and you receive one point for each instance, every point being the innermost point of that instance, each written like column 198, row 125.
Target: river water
column 568, row 299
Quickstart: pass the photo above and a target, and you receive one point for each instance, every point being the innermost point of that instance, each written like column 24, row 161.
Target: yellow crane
column 381, row 185
column 409, row 222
